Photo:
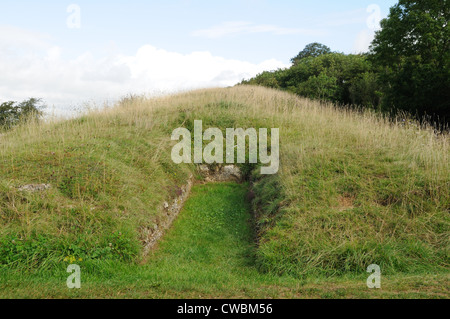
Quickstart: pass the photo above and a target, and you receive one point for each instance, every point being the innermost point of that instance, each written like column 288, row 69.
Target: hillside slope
column 352, row 190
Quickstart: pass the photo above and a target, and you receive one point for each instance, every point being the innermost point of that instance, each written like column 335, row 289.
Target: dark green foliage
column 413, row 53
column 12, row 113
column 311, row 50
column 8, row 114
column 321, row 87
column 332, row 77
column 365, row 90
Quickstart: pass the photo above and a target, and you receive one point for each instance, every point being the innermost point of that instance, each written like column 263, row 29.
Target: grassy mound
column 353, row 189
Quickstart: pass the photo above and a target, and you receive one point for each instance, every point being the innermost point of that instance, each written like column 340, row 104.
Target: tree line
column 407, row 68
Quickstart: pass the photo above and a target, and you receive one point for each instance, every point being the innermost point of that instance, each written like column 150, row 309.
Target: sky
column 77, row 53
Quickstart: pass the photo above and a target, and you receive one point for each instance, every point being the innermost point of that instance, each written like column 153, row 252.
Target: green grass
column 208, row 253
column 353, row 190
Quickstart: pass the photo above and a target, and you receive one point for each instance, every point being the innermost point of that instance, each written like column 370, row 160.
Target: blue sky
column 122, row 46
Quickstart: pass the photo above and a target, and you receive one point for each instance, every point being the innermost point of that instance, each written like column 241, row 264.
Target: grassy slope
column 209, row 253
column 352, row 190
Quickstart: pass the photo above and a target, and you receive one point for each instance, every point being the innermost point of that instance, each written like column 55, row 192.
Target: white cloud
column 199, row 69
column 30, row 66
column 242, row 27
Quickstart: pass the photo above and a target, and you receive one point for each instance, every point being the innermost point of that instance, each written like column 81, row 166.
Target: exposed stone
column 232, row 172
column 228, row 173
column 204, row 168
column 35, row 188
column 154, row 234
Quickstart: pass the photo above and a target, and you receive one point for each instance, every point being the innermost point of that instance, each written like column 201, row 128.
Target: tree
column 413, row 53
column 31, row 109
column 335, row 77
column 12, row 113
column 365, row 91
column 340, row 69
column 8, row 114
column 321, row 87
column 311, row 50
column 267, row 79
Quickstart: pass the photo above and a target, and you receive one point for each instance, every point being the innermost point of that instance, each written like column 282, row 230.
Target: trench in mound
column 212, row 239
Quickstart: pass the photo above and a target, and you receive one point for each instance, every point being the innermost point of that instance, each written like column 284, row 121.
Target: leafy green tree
column 366, row 91
column 12, row 113
column 267, row 79
column 8, row 114
column 344, row 69
column 328, row 76
column 321, row 87
column 412, row 51
column 311, row 50
column 31, row 109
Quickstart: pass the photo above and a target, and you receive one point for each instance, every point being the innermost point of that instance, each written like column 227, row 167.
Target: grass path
column 208, row 253
column 209, row 250
column 211, row 242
